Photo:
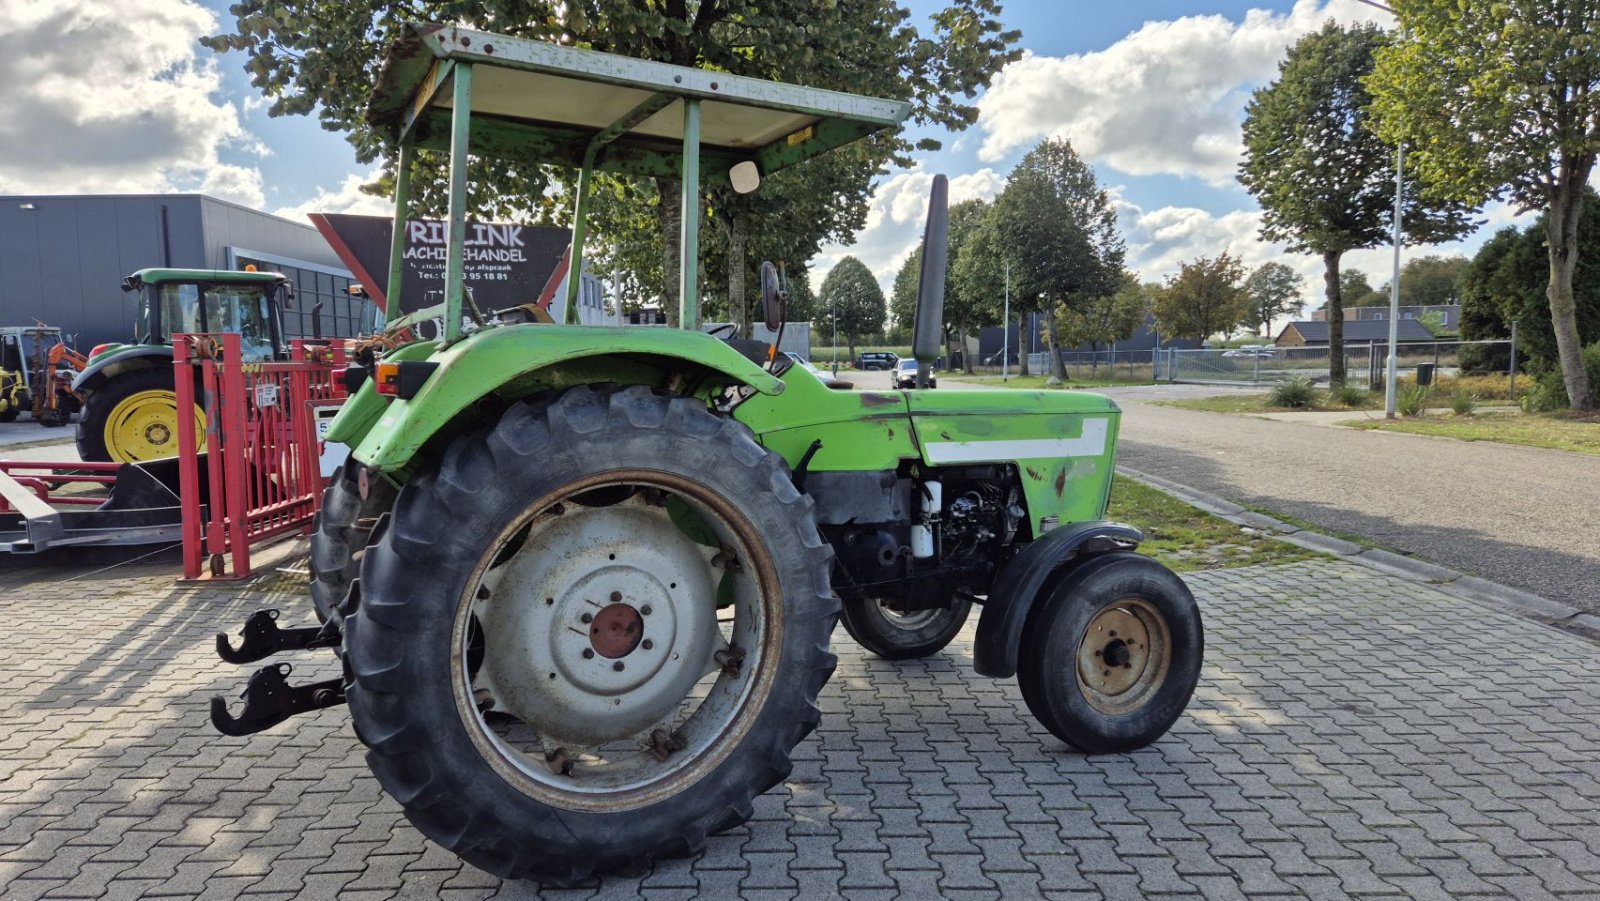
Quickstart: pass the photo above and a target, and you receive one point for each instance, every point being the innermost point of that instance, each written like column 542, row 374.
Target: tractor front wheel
column 590, row 635
column 1112, row 653
column 894, row 635
column 133, row 417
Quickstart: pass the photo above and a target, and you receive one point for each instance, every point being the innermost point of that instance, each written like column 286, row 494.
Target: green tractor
column 130, row 411
column 583, row 580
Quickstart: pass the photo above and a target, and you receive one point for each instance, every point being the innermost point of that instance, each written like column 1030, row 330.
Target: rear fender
column 138, row 357
column 508, row 363
column 1020, row 583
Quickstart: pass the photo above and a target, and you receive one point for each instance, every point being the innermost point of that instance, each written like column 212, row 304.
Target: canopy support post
column 460, row 122
column 689, row 243
column 397, row 241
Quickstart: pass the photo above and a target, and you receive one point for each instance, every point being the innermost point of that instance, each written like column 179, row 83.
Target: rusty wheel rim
column 1123, row 656
column 635, row 606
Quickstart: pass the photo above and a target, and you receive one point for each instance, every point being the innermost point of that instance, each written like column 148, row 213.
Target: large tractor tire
column 1112, row 653
column 133, row 417
column 903, row 636
column 590, row 635
column 342, row 529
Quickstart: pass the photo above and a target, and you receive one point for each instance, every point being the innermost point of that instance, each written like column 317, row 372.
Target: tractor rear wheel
column 1112, row 653
column 590, row 635
column 903, row 636
column 342, row 528
column 133, row 418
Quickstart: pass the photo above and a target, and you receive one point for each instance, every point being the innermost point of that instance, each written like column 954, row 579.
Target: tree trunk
column 670, row 215
column 738, row 310
column 1561, row 233
column 1330, row 281
column 1023, row 344
column 850, row 343
column 1058, row 369
column 966, row 358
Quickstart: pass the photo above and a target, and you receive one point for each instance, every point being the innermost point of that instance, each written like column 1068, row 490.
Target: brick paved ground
column 1353, row 735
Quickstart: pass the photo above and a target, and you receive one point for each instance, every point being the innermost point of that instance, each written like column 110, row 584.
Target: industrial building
column 63, row 258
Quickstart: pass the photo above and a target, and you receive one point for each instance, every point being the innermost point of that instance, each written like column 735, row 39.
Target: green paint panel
column 362, row 410
column 858, row 429
column 514, row 361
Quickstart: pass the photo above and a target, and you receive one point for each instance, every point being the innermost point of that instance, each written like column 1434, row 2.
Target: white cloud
column 347, row 198
column 1166, row 99
column 104, row 97
column 895, row 215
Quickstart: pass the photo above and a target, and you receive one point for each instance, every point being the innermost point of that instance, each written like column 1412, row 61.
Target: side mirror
column 745, row 177
column 772, row 296
column 928, row 333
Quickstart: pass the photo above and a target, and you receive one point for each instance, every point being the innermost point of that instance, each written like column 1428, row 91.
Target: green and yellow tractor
column 130, row 409
column 583, row 581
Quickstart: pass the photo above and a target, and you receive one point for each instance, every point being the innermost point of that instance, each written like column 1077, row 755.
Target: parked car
column 1249, row 350
column 905, row 375
column 802, row 361
column 876, row 359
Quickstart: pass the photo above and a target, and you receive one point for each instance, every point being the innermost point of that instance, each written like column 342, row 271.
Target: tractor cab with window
column 130, row 411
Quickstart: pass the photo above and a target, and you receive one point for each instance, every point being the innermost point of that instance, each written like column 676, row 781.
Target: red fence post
column 188, row 460
column 235, row 470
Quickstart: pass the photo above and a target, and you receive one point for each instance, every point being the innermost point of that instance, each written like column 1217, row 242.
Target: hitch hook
column 269, row 699
column 261, row 638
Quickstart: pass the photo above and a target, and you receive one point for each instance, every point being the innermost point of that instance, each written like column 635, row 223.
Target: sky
column 1150, row 93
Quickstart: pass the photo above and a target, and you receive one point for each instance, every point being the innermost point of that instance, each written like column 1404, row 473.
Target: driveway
column 1353, row 734
column 1521, row 516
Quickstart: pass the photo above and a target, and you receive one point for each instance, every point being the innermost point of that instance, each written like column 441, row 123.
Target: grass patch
column 1263, row 403
column 1558, row 431
column 1186, row 539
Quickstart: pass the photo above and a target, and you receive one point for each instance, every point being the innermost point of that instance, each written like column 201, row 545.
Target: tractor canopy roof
column 213, row 276
column 550, row 103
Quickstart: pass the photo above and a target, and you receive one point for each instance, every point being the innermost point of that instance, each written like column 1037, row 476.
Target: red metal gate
column 262, row 449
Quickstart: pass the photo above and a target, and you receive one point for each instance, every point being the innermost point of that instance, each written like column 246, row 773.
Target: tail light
column 403, row 379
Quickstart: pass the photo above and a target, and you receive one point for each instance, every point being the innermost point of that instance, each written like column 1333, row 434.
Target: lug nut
column 588, row 653
column 618, row 666
column 616, row 597
column 648, row 644
column 645, row 610
column 588, row 618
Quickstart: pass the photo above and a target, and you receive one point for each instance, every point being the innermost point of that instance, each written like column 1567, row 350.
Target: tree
column 1059, row 229
column 1502, row 100
column 964, row 306
column 903, row 296
column 853, row 301
column 321, row 58
column 1105, row 319
column 1203, row 298
column 1506, row 282
column 1324, row 179
column 1355, row 290
column 1274, row 291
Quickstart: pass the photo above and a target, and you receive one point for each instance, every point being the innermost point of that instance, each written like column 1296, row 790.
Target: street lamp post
column 1005, row 327
column 1392, row 373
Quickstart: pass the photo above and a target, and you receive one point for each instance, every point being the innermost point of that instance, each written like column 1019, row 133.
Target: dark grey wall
column 63, row 261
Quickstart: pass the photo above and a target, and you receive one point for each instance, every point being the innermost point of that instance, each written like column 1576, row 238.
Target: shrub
column 1549, row 391
column 1484, row 387
column 1293, row 392
column 1462, row 403
column 1348, row 395
column 1412, row 400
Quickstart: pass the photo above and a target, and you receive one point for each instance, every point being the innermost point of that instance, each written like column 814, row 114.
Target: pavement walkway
column 1354, row 735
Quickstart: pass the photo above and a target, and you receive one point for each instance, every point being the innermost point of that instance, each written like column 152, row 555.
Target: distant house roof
column 1360, row 331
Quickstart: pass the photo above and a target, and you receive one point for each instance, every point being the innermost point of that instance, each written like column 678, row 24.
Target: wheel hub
column 1122, row 656
column 600, row 624
column 616, row 631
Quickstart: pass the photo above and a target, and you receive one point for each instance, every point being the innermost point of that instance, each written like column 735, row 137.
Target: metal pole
column 455, row 235
column 833, row 315
column 1393, row 373
column 1513, row 390
column 397, row 241
column 1005, row 326
column 688, row 249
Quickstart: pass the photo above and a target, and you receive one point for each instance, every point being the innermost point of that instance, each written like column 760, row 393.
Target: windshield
column 908, row 364
column 244, row 309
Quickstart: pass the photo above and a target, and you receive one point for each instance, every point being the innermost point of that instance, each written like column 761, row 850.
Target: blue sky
column 1151, row 93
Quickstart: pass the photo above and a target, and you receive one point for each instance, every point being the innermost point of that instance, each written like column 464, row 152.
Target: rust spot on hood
column 1033, row 473
column 1061, row 482
column 879, row 400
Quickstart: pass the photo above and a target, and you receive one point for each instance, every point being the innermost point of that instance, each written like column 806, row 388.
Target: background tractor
column 36, row 372
column 130, row 410
column 583, row 580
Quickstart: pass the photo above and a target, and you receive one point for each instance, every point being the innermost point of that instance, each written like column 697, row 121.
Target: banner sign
column 505, row 264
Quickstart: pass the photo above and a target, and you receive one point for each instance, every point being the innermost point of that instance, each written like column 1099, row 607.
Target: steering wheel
column 732, row 328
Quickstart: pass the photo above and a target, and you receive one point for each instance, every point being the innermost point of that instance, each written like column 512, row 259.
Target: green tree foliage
column 1057, row 226
column 802, row 305
column 1432, row 280
column 1507, row 280
column 964, row 308
column 852, row 301
column 1501, row 100
column 1107, row 318
column 1205, row 297
column 903, row 295
column 1275, row 290
column 1355, row 289
column 322, row 58
column 1324, row 179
